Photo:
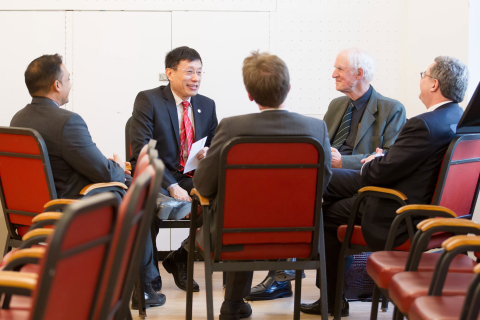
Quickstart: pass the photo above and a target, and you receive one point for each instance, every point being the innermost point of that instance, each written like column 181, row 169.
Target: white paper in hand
column 192, row 161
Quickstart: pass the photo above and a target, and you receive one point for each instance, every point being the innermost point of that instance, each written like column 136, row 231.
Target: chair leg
column 323, row 272
column 208, row 286
column 298, row 294
column 190, row 264
column 7, row 246
column 397, row 314
column 142, row 310
column 384, row 303
column 375, row 298
column 340, row 282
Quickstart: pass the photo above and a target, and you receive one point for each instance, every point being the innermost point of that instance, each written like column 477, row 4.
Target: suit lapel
column 197, row 118
column 368, row 117
column 337, row 120
column 172, row 111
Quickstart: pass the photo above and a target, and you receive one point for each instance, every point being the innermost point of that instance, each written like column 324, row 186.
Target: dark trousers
column 238, row 285
column 338, row 200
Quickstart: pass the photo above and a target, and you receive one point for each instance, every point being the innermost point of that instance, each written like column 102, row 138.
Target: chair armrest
column 35, row 236
column 431, row 226
column 385, row 191
column 18, row 283
column 452, row 247
column 374, row 192
column 405, row 213
column 50, row 215
column 91, row 187
column 22, row 257
column 476, row 269
column 203, row 201
column 57, row 204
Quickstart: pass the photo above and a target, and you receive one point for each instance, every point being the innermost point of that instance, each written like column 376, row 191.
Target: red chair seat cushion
column 405, row 287
column 383, row 265
column 13, row 314
column 268, row 251
column 20, row 303
column 436, row 308
column 357, row 238
column 21, row 231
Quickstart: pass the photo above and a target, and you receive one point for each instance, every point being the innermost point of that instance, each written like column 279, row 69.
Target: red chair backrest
column 26, row 180
column 262, row 186
column 74, row 261
column 457, row 186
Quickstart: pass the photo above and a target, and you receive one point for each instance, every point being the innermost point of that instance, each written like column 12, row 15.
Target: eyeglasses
column 424, row 74
column 189, row 73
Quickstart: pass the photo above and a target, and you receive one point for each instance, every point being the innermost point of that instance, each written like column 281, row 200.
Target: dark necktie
column 344, row 129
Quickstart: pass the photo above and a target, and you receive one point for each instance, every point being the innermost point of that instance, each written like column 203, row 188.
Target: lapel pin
column 199, row 111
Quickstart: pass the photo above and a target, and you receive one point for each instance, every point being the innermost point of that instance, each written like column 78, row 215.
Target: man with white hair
column 363, row 119
column 411, row 166
column 358, row 123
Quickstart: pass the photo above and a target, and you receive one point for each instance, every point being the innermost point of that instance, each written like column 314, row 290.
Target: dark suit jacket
column 275, row 123
column 380, row 125
column 75, row 159
column 411, row 166
column 155, row 117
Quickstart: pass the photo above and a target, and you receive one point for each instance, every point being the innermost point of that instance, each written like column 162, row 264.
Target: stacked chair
column 455, row 197
column 88, row 267
column 247, row 224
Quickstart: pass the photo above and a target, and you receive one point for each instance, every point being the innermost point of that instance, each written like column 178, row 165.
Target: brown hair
column 266, row 79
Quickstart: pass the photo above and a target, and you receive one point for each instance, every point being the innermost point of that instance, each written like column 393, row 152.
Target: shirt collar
column 432, row 108
column 362, row 101
column 178, row 100
column 274, row 109
column 39, row 100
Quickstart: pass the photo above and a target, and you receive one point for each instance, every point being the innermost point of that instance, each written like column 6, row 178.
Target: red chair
column 26, row 181
column 462, row 156
column 407, row 286
column 434, row 307
column 71, row 267
column 247, row 213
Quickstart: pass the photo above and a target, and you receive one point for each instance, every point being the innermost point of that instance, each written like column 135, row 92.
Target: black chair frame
column 317, row 256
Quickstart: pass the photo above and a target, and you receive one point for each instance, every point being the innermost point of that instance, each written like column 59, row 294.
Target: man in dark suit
column 267, row 81
column 357, row 123
column 74, row 158
column 176, row 116
column 411, row 166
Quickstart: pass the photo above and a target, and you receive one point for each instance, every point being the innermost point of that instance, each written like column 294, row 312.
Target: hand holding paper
column 192, row 161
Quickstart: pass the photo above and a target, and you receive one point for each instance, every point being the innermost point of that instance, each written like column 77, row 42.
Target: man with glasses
column 411, row 166
column 176, row 116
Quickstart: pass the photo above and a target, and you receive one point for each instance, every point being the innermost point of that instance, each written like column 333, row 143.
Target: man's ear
column 56, row 86
column 289, row 87
column 169, row 72
column 360, row 73
column 250, row 96
column 435, row 85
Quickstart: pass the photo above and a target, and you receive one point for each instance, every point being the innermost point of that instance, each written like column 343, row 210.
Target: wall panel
column 311, row 33
column 115, row 55
column 223, row 43
column 24, row 36
column 145, row 5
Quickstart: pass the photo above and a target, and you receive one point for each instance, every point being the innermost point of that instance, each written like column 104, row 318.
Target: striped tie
column 344, row 128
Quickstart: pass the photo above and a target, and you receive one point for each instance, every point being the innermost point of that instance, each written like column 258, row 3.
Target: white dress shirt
column 435, row 106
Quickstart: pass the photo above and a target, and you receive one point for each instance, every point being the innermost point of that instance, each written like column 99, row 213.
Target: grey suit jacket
column 275, row 123
column 381, row 123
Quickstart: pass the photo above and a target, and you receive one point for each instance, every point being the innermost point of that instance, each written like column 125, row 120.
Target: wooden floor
column 280, row 309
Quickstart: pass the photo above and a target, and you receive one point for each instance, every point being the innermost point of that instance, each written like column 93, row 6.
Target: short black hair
column 42, row 72
column 174, row 57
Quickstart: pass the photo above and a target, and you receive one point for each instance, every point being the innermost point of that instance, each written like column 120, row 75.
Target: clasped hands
column 337, row 157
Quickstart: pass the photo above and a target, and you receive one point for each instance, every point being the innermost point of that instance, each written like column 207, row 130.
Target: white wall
column 114, row 49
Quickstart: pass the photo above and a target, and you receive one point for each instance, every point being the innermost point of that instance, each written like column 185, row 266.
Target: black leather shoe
column 235, row 310
column 315, row 308
column 270, row 289
column 169, row 208
column 157, row 284
column 179, row 272
column 152, row 298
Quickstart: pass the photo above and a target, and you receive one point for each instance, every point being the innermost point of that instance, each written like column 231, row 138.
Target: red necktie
column 186, row 134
